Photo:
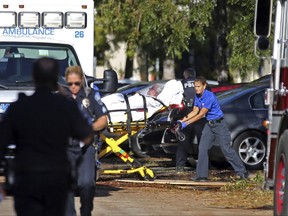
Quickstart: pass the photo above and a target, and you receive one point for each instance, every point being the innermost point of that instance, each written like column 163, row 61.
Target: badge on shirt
column 86, row 102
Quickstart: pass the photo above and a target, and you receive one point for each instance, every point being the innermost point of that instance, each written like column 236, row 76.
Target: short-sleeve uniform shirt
column 209, row 101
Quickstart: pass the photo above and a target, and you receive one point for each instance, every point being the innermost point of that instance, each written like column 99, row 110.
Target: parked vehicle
column 143, row 87
column 140, row 87
column 244, row 111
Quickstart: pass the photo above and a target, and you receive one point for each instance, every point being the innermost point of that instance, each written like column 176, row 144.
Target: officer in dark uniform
column 94, row 111
column 193, row 129
column 40, row 125
column 206, row 104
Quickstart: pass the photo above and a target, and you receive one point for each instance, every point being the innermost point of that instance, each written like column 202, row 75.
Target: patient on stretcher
column 170, row 93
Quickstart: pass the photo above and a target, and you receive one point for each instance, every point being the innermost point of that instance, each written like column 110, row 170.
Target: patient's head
column 155, row 90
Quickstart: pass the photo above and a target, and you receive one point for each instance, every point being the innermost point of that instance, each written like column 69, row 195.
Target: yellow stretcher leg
column 135, row 166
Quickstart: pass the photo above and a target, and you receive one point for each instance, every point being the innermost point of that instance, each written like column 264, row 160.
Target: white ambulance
column 31, row 29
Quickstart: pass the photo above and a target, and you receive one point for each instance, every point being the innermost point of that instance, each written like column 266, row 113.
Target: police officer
column 94, row 111
column 191, row 130
column 40, row 126
column 206, row 104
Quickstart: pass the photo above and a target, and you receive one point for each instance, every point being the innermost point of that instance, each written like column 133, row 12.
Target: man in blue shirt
column 191, row 130
column 206, row 104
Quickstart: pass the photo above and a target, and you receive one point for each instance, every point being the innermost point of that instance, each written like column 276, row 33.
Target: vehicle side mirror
column 262, row 20
column 108, row 84
column 110, row 81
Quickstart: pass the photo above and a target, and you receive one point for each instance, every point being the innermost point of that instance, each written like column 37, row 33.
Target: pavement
column 128, row 194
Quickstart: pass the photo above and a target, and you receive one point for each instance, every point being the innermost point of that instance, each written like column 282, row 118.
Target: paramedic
column 191, row 130
column 83, row 158
column 40, row 126
column 206, row 104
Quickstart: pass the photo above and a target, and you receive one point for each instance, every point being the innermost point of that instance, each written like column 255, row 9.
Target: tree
column 241, row 37
column 160, row 29
column 156, row 28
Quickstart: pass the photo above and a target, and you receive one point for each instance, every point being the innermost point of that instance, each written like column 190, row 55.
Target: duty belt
column 211, row 122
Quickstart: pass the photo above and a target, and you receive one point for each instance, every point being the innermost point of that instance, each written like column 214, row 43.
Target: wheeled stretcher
column 120, row 132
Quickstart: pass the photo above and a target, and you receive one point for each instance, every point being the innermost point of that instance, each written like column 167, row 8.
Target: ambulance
column 31, row 29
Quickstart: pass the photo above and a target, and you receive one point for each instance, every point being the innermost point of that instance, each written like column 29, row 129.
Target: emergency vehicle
column 31, row 29
column 276, row 169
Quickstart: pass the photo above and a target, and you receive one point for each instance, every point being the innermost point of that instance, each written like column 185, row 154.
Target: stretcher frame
column 124, row 132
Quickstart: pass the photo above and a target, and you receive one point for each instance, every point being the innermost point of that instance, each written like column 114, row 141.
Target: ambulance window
column 28, row 52
column 57, row 54
column 71, row 58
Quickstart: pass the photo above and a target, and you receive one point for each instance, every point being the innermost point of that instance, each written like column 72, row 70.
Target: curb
column 210, row 184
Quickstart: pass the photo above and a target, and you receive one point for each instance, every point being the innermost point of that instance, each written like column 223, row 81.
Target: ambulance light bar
column 75, row 20
column 29, row 20
column 52, row 20
column 8, row 19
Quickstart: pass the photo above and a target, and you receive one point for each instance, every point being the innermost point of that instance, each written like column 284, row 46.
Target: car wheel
column 251, row 147
column 281, row 177
column 136, row 146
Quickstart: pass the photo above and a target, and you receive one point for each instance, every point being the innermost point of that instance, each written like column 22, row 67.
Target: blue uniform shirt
column 210, row 102
column 96, row 108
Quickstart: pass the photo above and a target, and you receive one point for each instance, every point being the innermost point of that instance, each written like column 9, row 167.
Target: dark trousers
column 220, row 132
column 190, row 132
column 41, row 193
column 85, row 160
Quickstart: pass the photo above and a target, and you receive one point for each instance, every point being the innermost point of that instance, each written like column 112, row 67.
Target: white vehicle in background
column 68, row 24
column 31, row 29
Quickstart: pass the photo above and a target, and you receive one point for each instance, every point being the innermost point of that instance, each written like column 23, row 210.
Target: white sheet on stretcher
column 172, row 93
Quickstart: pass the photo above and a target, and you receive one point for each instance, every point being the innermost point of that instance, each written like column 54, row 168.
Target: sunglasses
column 74, row 83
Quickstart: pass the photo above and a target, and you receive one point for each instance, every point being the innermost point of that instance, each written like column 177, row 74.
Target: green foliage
column 159, row 27
column 201, row 17
column 165, row 29
column 241, row 37
column 252, row 183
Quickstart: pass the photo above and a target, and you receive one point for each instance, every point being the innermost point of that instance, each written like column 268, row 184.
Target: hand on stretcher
column 177, row 131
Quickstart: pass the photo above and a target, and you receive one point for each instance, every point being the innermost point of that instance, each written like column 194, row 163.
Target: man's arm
column 190, row 115
column 200, row 115
column 195, row 115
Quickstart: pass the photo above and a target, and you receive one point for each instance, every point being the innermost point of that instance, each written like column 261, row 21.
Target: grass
column 245, row 194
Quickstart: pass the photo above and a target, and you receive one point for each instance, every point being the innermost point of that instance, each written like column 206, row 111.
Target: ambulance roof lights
column 75, row 20
column 8, row 19
column 29, row 20
column 52, row 20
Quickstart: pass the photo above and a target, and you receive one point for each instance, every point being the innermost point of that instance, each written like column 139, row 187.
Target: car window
column 257, row 100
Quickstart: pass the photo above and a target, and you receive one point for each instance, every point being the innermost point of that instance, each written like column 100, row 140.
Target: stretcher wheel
column 149, row 175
